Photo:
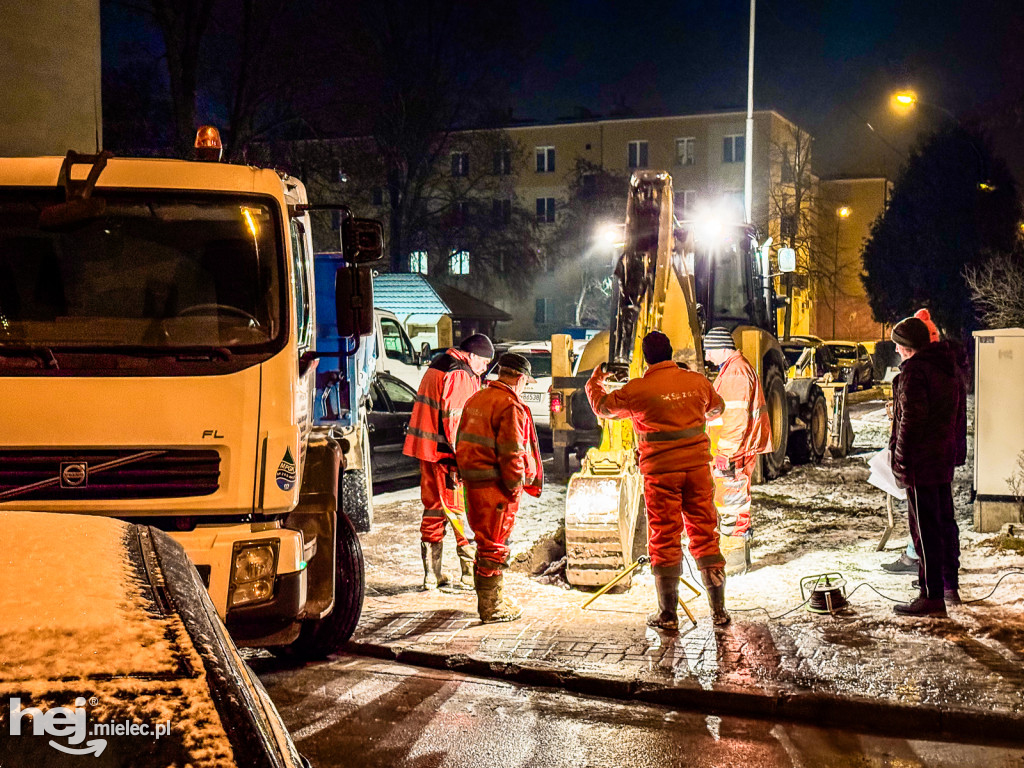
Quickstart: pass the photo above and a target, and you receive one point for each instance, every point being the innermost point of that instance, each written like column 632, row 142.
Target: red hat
column 926, row 317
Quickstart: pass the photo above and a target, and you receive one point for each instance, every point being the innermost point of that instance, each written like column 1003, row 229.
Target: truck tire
column 357, row 490
column 807, row 446
column 319, row 638
column 778, row 413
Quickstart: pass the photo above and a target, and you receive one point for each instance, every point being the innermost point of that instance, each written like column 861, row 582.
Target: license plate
column 532, row 397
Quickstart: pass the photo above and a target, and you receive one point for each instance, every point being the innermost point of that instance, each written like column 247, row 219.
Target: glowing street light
column 609, row 235
column 904, row 100
column 844, row 211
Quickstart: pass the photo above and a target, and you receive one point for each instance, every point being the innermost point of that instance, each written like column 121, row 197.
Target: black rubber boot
column 714, row 584
column 467, row 558
column 433, row 576
column 666, row 584
column 491, row 604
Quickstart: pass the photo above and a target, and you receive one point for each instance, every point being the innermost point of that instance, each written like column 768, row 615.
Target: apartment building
column 704, row 153
column 848, row 208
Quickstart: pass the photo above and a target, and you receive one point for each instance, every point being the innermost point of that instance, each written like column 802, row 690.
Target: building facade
column 848, row 208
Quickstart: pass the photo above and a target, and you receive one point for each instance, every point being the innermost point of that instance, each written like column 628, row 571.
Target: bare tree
column 996, row 287
column 793, row 203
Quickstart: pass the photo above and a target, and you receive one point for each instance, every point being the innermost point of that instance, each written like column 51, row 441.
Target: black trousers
column 936, row 537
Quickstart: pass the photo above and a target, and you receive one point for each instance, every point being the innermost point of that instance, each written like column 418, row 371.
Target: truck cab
column 157, row 354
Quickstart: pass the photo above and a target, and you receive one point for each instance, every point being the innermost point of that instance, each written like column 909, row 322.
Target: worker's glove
column 723, row 464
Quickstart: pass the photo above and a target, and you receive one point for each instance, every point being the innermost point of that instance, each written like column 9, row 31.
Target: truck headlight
column 254, row 566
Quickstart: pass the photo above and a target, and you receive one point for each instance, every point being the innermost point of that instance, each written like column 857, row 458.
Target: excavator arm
column 654, row 290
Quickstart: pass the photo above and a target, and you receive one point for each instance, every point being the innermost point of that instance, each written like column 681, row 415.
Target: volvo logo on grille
column 74, row 474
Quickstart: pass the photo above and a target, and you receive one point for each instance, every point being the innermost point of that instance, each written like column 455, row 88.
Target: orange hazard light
column 208, row 143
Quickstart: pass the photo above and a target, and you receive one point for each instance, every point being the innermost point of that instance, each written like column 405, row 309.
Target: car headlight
column 254, row 565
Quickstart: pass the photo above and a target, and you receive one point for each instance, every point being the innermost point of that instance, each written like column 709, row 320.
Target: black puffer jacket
column 929, row 429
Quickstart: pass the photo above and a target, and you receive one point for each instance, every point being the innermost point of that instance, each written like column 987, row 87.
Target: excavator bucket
column 654, row 291
column 600, row 520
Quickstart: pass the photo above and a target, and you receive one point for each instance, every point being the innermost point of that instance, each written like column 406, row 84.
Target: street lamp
column 842, row 212
column 905, row 100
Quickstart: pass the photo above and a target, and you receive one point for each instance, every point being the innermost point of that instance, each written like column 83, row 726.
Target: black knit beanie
column 657, row 348
column 479, row 345
column 911, row 333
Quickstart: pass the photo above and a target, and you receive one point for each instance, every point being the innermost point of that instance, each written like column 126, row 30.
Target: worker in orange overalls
column 743, row 432
column 499, row 458
column 669, row 407
column 448, row 383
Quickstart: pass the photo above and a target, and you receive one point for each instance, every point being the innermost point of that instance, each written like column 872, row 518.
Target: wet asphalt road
column 355, row 711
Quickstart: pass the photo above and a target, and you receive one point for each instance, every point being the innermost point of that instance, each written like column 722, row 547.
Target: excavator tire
column 775, row 399
column 807, row 446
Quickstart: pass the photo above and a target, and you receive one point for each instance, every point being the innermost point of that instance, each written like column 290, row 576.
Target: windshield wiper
column 43, row 354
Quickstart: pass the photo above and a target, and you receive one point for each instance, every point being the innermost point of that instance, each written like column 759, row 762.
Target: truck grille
column 136, row 473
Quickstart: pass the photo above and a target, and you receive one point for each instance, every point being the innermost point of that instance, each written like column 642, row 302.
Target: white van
column 399, row 358
column 538, row 396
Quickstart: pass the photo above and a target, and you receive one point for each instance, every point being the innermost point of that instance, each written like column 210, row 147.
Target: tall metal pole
column 748, row 149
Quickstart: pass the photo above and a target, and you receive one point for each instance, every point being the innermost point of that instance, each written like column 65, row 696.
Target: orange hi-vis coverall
column 499, row 458
column 669, row 407
column 742, row 433
column 446, row 386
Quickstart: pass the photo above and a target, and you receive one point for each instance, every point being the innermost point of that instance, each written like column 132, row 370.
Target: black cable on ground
column 874, row 589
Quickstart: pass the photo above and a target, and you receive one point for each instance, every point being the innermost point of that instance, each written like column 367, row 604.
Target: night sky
column 827, row 65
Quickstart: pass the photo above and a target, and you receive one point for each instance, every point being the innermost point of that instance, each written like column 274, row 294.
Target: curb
column 823, row 710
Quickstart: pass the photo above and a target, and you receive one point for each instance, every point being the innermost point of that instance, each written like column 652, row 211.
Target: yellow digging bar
column 642, row 560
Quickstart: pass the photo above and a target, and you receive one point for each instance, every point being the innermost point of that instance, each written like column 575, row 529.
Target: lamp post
column 842, row 212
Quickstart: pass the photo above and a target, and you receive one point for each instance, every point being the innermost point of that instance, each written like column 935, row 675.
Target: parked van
column 396, row 355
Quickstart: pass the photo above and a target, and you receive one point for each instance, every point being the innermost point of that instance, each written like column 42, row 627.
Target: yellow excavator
column 680, row 278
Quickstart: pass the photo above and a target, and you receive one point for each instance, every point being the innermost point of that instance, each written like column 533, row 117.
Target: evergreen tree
column 953, row 204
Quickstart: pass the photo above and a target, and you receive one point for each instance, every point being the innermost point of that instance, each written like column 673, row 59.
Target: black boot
column 923, row 606
column 714, row 584
column 433, row 576
column 666, row 583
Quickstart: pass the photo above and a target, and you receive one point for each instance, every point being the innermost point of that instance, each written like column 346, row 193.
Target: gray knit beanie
column 718, row 338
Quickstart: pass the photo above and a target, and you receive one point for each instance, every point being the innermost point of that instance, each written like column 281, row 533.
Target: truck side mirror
column 362, row 240
column 353, row 294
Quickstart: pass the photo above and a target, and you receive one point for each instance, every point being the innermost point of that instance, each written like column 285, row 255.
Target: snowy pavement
column 962, row 677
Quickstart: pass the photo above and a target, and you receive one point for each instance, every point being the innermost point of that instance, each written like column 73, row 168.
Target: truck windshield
column 159, row 270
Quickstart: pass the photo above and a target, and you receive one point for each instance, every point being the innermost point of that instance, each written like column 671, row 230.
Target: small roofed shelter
column 432, row 312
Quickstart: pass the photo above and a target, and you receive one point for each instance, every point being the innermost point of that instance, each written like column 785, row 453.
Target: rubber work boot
column 952, row 597
column 714, row 585
column 433, row 576
column 922, row 606
column 467, row 558
column 736, row 551
column 667, row 587
column 492, row 606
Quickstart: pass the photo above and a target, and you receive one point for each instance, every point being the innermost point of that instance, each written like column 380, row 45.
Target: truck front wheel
column 322, row 637
column 778, row 412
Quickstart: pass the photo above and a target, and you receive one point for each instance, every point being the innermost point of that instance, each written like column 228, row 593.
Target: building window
column 458, row 263
column 788, row 225
column 685, row 150
column 460, row 163
column 460, row 213
column 544, row 311
column 545, row 210
column 545, row 159
column 636, row 154
column 418, row 262
column 501, row 212
column 689, row 199
column 503, row 162
column 377, row 196
column 733, row 148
